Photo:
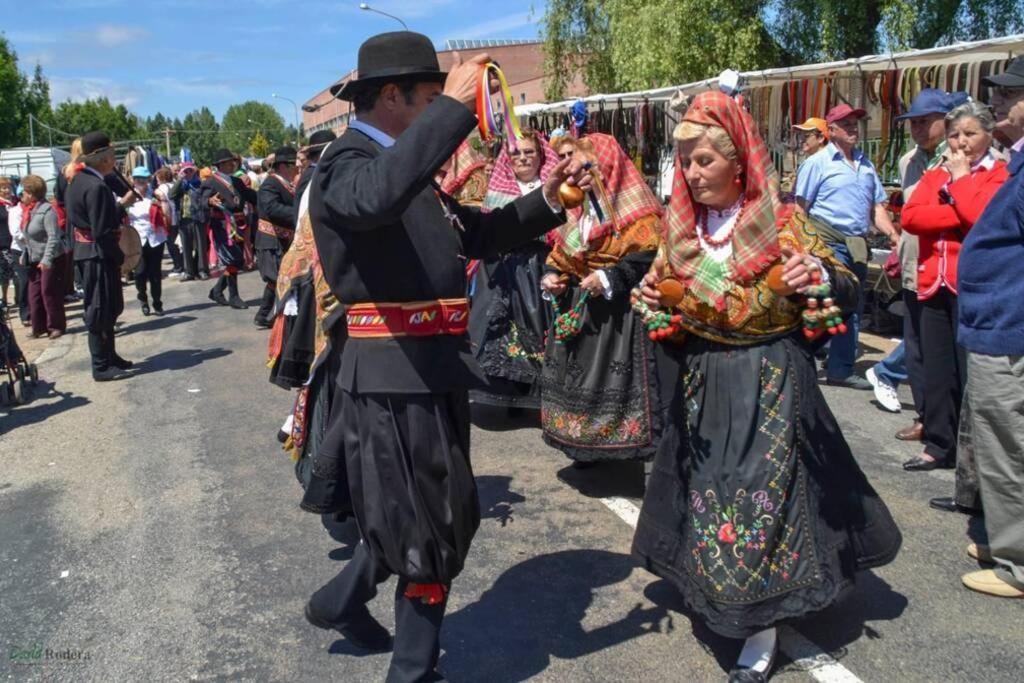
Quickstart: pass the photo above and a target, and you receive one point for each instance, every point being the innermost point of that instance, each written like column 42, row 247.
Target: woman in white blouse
column 148, row 220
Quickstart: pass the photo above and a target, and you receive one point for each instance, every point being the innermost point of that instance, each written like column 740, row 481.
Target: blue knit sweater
column 990, row 275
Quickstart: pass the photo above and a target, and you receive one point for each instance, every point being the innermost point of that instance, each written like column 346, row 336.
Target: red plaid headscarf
column 755, row 240
column 502, row 187
column 630, row 196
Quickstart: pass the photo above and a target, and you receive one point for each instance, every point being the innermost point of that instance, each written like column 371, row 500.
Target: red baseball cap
column 842, row 111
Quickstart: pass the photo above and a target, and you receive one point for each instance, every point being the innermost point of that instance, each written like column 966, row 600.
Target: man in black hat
column 222, row 198
column 1007, row 89
column 393, row 250
column 318, row 142
column 276, row 227
column 94, row 216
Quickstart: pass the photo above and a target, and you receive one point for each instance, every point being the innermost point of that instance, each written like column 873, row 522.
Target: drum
column 131, row 245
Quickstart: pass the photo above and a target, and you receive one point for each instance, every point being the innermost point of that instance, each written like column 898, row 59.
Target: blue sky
column 178, row 55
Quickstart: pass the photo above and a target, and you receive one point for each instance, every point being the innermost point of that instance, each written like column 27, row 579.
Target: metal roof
column 476, row 44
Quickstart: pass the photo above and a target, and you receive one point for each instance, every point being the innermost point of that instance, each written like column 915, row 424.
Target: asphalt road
column 149, row 531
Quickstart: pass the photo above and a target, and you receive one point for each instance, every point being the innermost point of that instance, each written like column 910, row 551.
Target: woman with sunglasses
column 508, row 318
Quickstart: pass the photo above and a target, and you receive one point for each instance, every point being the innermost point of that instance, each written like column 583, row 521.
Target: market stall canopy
column 1003, row 48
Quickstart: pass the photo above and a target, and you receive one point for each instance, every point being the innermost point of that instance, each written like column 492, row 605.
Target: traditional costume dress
column 756, row 509
column 599, row 391
column 227, row 226
column 274, row 232
column 391, row 244
column 96, row 222
column 508, row 318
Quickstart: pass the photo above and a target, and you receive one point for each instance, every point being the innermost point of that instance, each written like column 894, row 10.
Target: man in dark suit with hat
column 276, row 227
column 94, row 217
column 222, row 199
column 393, row 250
column 318, row 142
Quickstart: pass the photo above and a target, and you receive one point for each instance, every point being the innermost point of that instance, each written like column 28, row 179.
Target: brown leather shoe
column 914, row 432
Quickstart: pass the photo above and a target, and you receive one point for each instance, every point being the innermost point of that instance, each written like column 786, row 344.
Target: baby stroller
column 14, row 364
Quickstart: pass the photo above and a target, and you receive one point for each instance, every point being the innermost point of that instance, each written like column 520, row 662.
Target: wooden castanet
column 131, row 245
column 671, row 291
column 570, row 195
column 775, row 282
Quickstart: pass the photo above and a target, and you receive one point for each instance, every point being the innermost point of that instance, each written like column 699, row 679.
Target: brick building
column 522, row 61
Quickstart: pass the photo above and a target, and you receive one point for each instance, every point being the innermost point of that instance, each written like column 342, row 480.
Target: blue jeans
column 842, row 350
column 893, row 368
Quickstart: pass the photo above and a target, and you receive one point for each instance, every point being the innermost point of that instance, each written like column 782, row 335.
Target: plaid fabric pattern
column 627, row 199
column 465, row 162
column 503, row 188
column 755, row 239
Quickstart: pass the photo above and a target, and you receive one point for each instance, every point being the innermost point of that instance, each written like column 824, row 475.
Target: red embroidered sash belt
column 268, row 228
column 85, row 235
column 413, row 319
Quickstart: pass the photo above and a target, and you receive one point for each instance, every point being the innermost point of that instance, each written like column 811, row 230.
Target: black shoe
column 262, row 323
column 204, row 276
column 158, row 309
column 947, row 504
column 364, row 632
column 236, row 302
column 745, row 675
column 217, row 296
column 851, row 382
column 919, row 464
column 110, row 374
column 145, row 309
column 122, row 363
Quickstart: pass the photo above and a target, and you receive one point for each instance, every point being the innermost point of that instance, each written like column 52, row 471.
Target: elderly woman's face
column 710, row 174
column 565, row 150
column 5, row 191
column 969, row 137
column 525, row 161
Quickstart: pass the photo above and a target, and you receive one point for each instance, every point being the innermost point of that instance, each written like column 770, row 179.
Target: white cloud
column 488, row 29
column 112, row 35
column 81, row 89
column 192, row 87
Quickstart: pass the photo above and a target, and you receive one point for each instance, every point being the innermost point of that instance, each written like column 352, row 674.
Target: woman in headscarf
column 755, row 509
column 507, row 318
column 597, row 391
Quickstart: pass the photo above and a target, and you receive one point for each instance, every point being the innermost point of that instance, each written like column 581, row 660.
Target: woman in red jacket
column 947, row 202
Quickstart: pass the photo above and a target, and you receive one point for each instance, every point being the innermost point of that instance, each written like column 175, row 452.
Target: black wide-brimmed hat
column 388, row 56
column 222, row 155
column 319, row 140
column 95, row 142
column 285, row 155
column 1013, row 77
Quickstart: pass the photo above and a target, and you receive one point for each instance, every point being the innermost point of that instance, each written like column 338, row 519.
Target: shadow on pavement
column 198, row 306
column 34, row 412
column 533, row 612
column 604, row 479
column 496, row 499
column 346, row 532
column 159, row 323
column 494, row 419
column 178, row 359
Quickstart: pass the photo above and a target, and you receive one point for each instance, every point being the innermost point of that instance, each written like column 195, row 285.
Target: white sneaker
column 885, row 393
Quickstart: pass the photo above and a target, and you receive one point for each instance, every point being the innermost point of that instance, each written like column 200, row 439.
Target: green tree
column 259, row 146
column 21, row 97
column 201, row 135
column 98, row 114
column 241, row 121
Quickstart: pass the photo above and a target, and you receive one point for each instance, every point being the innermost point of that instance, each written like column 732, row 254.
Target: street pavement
column 149, row 531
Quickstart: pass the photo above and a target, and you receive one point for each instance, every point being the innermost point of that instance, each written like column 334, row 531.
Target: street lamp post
column 298, row 135
column 364, row 6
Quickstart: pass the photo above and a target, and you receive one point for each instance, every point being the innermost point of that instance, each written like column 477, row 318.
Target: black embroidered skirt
column 507, row 323
column 599, row 389
column 756, row 508
column 229, row 252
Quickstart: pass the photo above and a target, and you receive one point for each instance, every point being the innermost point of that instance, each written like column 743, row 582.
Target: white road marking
column 806, row 656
